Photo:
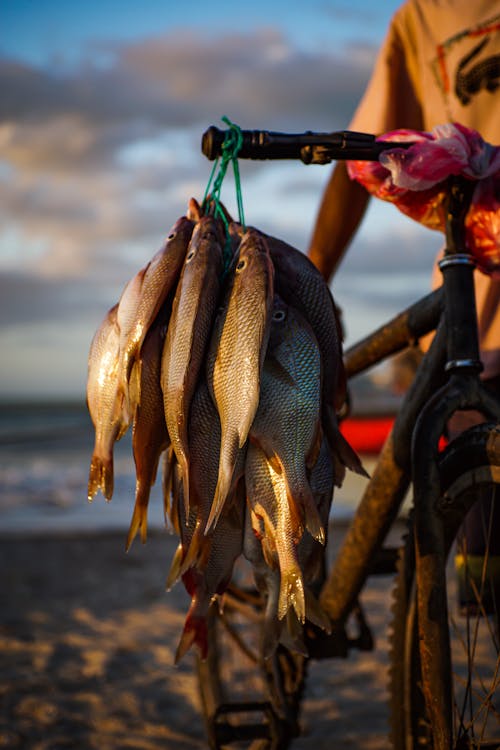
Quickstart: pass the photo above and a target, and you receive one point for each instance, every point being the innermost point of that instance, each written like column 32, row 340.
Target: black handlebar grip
column 211, row 142
column 308, row 147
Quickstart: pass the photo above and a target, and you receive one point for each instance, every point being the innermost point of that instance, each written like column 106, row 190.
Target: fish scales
column 272, row 521
column 237, row 352
column 300, row 284
column 287, row 424
column 188, row 333
column 149, row 433
column 204, row 430
column 159, row 277
column 104, row 403
column 202, row 584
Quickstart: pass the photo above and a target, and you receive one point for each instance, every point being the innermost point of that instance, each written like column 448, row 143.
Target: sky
column 102, row 110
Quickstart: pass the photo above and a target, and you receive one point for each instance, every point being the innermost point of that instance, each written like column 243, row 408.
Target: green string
column 231, row 147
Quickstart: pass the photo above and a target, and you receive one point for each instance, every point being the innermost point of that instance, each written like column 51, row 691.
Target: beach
column 88, row 637
column 88, row 632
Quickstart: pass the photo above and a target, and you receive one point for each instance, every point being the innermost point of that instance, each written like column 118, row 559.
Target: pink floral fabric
column 414, row 180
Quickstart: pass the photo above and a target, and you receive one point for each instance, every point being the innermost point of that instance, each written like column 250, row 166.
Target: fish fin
column 270, row 636
column 340, row 449
column 224, row 482
column 195, row 632
column 101, row 477
column 139, row 521
column 305, row 507
column 348, row 455
column 198, row 550
column 175, row 567
column 315, row 613
column 316, row 446
column 292, row 594
column 184, row 466
column 134, row 388
column 292, row 635
column 278, row 372
column 194, row 212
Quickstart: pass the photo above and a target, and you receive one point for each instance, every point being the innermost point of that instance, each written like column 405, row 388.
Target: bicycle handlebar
column 309, row 147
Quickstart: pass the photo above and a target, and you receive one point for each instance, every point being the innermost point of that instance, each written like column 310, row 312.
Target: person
column 439, row 63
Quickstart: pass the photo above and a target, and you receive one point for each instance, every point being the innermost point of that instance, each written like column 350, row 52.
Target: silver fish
column 287, row 425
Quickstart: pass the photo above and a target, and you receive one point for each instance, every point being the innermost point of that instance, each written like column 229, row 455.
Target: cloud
column 93, row 153
column 97, row 160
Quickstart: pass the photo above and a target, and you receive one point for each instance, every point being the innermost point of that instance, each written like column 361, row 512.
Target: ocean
column 45, row 450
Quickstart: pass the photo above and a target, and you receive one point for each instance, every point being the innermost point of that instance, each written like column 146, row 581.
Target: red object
column 368, row 434
column 414, row 179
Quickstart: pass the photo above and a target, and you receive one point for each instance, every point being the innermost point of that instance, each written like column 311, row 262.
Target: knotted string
column 231, row 146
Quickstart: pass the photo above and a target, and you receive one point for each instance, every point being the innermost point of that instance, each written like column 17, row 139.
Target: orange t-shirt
column 439, row 64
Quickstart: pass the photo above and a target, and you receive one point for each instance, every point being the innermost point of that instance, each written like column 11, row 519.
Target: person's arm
column 342, row 208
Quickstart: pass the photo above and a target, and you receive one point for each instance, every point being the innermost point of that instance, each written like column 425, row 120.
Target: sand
column 88, row 636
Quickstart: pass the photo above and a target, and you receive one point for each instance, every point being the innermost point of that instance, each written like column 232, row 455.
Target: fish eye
column 241, row 265
column 278, row 316
column 189, row 256
column 171, row 236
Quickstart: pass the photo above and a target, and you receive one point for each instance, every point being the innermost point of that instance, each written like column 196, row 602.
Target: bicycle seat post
column 457, row 267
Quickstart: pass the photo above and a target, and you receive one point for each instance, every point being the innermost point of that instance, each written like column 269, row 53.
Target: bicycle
column 439, row 698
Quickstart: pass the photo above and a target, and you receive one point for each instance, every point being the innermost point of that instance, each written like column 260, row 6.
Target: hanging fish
column 149, row 433
column 104, row 404
column 287, row 424
column 159, row 278
column 237, row 352
column 188, row 333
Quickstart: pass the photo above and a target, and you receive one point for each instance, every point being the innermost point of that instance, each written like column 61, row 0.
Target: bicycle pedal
column 232, row 722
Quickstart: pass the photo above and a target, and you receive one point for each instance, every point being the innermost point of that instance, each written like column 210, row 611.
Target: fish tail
column 175, row 567
column 271, row 636
column 302, row 503
column 343, row 454
column 140, row 515
column 312, row 519
column 101, row 477
column 292, row 593
column 221, row 492
column 195, row 632
column 198, row 550
column 292, row 634
column 315, row 613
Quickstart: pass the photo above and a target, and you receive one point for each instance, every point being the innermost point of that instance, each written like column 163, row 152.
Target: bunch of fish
column 232, row 369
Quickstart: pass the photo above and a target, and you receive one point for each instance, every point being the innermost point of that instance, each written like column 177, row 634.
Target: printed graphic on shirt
column 464, row 66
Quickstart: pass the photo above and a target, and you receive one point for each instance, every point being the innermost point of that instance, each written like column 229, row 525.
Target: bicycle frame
column 447, row 381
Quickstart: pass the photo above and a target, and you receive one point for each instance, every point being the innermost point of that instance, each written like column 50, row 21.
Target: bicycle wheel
column 469, row 471
column 247, row 701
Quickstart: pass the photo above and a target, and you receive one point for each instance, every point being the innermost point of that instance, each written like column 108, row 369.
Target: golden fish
column 159, row 277
column 237, row 353
column 149, row 437
column 188, row 334
column 272, row 522
column 202, row 585
column 104, row 404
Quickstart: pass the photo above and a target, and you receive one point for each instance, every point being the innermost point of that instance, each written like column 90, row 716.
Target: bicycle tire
column 244, row 696
column 469, row 469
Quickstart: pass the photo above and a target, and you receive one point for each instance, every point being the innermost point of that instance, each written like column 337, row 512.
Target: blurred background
column 102, row 111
